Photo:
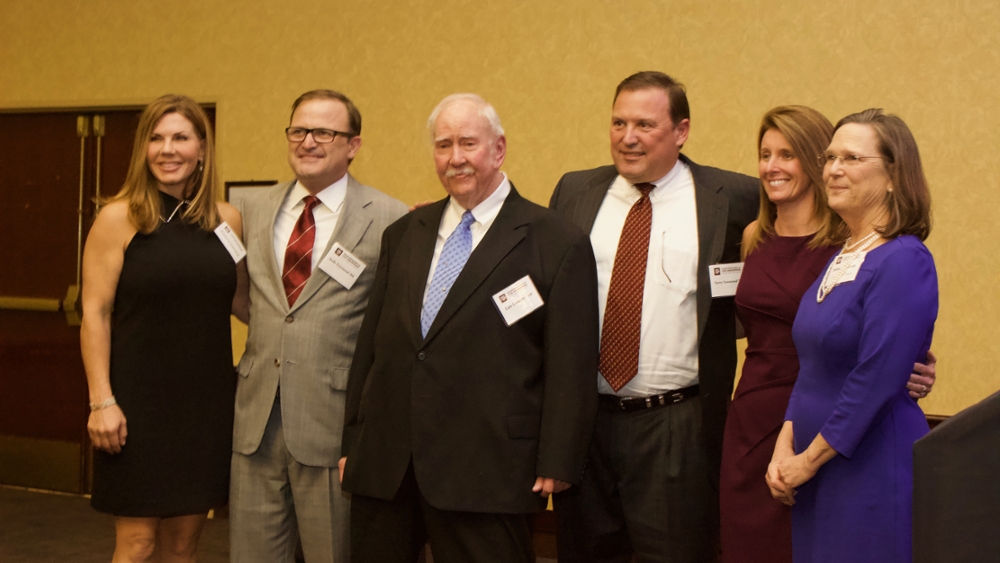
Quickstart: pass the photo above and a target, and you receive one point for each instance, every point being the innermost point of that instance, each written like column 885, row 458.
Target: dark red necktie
column 298, row 253
column 623, row 311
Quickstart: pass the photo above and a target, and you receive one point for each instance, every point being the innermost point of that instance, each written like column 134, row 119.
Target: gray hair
column 485, row 110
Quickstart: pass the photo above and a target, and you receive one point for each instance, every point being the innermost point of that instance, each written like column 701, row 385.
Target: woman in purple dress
column 843, row 457
column 785, row 251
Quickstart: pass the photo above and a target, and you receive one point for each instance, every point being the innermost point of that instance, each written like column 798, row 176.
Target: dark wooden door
column 44, row 164
column 53, row 167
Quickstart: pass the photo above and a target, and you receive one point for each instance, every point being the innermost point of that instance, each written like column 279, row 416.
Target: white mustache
column 456, row 171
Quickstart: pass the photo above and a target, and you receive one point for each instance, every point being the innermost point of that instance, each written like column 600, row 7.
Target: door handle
column 29, row 304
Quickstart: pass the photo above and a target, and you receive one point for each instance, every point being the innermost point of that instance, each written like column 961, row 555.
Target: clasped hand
column 785, row 474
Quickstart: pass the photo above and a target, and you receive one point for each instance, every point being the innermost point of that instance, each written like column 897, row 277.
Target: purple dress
column 755, row 527
column 856, row 350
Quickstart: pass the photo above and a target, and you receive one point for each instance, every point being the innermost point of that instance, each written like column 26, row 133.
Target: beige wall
column 550, row 68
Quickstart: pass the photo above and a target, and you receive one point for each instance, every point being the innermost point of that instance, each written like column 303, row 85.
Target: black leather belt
column 625, row 404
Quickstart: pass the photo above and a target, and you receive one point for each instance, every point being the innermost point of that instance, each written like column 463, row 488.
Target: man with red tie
column 312, row 248
column 657, row 222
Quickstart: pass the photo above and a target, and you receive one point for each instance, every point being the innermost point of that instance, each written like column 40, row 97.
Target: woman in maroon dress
column 785, row 250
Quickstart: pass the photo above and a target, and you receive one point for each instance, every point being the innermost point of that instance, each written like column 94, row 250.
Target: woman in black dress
column 158, row 288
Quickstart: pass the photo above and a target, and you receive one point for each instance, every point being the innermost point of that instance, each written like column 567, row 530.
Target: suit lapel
column 266, row 238
column 590, row 201
column 504, row 234
column 711, row 209
column 354, row 220
column 422, row 236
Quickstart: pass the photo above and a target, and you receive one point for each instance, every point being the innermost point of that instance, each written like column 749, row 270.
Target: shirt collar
column 331, row 196
column 661, row 186
column 487, row 210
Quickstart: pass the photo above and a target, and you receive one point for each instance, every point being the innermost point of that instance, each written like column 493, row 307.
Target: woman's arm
column 102, row 266
column 744, row 244
column 900, row 307
column 241, row 299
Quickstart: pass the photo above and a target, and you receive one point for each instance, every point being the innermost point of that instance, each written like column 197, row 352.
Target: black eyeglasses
column 323, row 136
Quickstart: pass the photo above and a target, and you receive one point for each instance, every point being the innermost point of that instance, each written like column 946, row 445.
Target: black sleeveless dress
column 172, row 375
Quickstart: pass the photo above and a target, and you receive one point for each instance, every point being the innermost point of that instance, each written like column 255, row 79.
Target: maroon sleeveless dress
column 755, row 527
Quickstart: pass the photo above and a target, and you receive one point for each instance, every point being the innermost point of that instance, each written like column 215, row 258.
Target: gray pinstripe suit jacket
column 307, row 347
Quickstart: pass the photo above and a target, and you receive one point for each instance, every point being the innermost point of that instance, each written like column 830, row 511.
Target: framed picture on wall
column 242, row 188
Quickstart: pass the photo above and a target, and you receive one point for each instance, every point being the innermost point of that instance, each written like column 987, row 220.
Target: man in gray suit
column 312, row 247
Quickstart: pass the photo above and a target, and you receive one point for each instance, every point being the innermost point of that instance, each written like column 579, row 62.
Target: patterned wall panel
column 550, row 68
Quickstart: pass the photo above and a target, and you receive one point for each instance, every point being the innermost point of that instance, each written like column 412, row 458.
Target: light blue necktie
column 453, row 257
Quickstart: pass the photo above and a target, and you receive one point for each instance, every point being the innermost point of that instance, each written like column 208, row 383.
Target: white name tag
column 231, row 242
column 845, row 267
column 517, row 300
column 342, row 266
column 724, row 278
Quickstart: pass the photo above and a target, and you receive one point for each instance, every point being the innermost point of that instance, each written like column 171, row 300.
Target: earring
column 201, row 167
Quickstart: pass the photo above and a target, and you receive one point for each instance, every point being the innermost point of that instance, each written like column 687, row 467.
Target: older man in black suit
column 658, row 222
column 471, row 392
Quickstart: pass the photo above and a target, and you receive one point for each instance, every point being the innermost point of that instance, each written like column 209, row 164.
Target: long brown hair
column 909, row 201
column 809, row 133
column 140, row 190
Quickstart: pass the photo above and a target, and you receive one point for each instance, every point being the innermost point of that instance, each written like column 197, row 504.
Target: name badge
column 845, row 267
column 724, row 278
column 342, row 266
column 517, row 300
column 231, row 242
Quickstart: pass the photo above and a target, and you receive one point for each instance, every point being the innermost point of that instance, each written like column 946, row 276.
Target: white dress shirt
column 668, row 345
column 325, row 214
column 484, row 213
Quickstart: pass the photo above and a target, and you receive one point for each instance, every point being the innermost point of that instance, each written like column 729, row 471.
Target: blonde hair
column 140, row 187
column 808, row 132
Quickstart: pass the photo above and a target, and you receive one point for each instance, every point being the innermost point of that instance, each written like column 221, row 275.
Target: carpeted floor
column 41, row 527
column 37, row 527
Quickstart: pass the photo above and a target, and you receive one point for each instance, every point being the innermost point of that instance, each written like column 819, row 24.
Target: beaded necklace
column 850, row 254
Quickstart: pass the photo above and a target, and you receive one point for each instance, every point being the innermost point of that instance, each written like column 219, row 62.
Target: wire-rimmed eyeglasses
column 846, row 160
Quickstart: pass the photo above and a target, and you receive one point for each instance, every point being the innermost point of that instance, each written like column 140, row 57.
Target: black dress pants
column 395, row 531
column 647, row 492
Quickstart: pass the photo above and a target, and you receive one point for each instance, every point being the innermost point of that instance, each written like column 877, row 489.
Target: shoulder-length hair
column 909, row 201
column 808, row 132
column 140, row 189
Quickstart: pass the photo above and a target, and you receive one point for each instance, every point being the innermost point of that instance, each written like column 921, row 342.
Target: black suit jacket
column 725, row 202
column 481, row 408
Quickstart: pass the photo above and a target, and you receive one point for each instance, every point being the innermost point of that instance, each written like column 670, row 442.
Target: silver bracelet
column 103, row 404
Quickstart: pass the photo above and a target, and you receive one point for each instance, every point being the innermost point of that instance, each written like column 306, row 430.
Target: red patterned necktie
column 623, row 311
column 298, row 253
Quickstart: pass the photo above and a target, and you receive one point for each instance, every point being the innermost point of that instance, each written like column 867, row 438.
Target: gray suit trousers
column 274, row 499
